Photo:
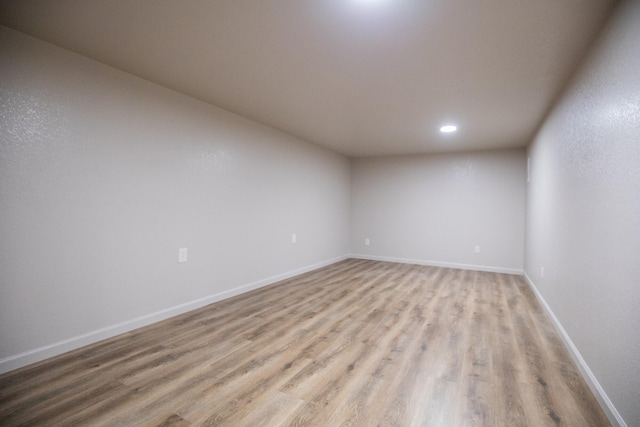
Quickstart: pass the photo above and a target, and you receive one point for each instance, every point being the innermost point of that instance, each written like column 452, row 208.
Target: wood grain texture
column 358, row 343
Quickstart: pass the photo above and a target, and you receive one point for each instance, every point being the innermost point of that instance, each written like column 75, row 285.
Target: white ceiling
column 361, row 77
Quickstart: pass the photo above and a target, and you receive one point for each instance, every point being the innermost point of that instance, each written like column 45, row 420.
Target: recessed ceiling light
column 448, row 129
column 370, row 1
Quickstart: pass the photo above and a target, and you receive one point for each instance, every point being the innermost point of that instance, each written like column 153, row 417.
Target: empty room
column 320, row 213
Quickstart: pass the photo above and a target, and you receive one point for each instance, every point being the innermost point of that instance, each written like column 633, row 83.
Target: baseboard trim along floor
column 431, row 263
column 41, row 353
column 614, row 416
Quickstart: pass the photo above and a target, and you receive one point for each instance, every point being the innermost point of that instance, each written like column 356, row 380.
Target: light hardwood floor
column 358, row 343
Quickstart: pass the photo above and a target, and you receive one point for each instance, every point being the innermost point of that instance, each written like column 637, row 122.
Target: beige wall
column 583, row 216
column 103, row 176
column 435, row 209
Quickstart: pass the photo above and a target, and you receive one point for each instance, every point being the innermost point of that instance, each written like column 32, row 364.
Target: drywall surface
column 583, row 211
column 103, row 176
column 437, row 208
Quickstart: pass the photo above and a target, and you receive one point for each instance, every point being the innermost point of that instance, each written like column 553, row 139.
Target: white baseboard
column 440, row 264
column 612, row 413
column 41, row 353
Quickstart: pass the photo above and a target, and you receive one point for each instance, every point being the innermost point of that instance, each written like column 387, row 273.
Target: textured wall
column 437, row 208
column 103, row 176
column 583, row 211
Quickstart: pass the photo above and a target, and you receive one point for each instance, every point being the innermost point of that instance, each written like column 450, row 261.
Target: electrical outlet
column 367, row 242
column 477, row 249
column 541, row 271
column 294, row 238
column 182, row 255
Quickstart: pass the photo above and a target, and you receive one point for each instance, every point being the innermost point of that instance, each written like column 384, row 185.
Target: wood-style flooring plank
column 357, row 343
